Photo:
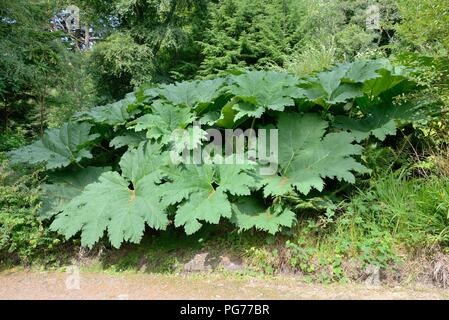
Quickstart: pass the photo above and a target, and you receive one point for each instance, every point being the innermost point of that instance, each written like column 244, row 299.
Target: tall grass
column 413, row 210
column 311, row 59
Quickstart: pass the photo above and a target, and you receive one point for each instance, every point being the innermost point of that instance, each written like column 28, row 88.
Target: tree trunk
column 5, row 102
column 42, row 112
column 86, row 37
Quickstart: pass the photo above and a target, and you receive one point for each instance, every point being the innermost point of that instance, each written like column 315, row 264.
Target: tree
column 30, row 54
column 248, row 33
column 36, row 66
column 144, row 40
column 302, row 35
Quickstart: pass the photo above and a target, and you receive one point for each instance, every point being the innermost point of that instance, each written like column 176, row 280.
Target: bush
column 22, row 235
column 11, row 140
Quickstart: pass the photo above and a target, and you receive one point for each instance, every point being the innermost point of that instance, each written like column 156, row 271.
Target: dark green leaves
column 113, row 114
column 258, row 91
column 58, row 147
column 250, row 213
column 379, row 120
column 153, row 185
column 307, row 155
column 350, row 81
column 164, row 119
column 65, row 186
column 111, row 205
column 203, row 192
column 193, row 93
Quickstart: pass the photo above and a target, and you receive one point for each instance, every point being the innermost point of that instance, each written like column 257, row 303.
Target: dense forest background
column 51, row 67
column 60, row 57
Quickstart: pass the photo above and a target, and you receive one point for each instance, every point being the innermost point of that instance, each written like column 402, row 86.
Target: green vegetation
column 23, row 236
column 147, row 184
column 99, row 109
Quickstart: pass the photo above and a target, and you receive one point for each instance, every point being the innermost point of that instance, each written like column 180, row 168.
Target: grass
column 415, row 211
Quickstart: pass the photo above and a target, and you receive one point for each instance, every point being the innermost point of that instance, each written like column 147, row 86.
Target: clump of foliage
column 297, row 35
column 111, row 170
column 41, row 82
column 424, row 25
column 248, row 33
column 413, row 210
column 23, row 234
column 143, row 41
column 426, row 50
column 11, row 140
column 120, row 64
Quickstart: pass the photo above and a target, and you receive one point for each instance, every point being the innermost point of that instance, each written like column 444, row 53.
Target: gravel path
column 61, row 285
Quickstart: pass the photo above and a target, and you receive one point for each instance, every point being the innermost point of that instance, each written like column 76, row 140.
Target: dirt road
column 68, row 285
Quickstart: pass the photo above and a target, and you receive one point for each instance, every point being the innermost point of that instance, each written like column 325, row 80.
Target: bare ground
column 53, row 285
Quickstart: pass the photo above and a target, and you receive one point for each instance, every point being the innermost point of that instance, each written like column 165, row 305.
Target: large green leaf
column 114, row 114
column 129, row 139
column 393, row 81
column 66, row 185
column 354, row 80
column 379, row 120
column 327, row 88
column 192, row 93
column 58, row 147
column 362, row 71
column 163, row 121
column 203, row 200
column 250, row 213
column 258, row 91
column 376, row 124
column 202, row 192
column 118, row 204
column 307, row 155
column 145, row 160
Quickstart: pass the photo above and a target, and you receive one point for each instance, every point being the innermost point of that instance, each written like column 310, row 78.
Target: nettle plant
column 111, row 170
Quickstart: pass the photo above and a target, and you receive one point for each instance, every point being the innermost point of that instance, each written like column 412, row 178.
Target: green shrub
column 22, row 234
column 11, row 140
